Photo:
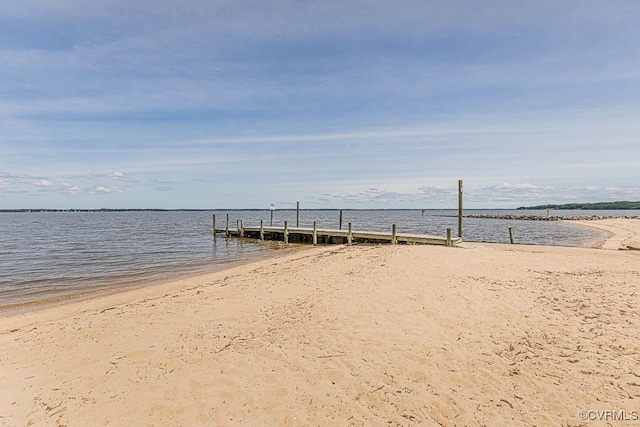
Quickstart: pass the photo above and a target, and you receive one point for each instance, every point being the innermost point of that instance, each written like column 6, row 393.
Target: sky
column 336, row 104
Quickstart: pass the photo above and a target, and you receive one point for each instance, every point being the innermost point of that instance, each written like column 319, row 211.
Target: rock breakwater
column 547, row 218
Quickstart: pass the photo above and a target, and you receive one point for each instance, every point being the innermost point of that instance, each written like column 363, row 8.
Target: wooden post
column 297, row 214
column 214, row 225
column 459, row 208
column 448, row 237
column 393, row 234
column 241, row 229
column 286, row 233
column 261, row 231
column 315, row 234
column 226, row 230
column 511, row 238
column 340, row 225
column 271, row 219
column 349, row 236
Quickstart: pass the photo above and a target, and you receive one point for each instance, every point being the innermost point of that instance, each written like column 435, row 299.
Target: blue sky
column 352, row 104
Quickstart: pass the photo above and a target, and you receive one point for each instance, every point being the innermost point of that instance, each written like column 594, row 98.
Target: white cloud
column 72, row 189
column 44, row 183
column 117, row 175
column 373, row 196
column 101, row 189
column 520, row 187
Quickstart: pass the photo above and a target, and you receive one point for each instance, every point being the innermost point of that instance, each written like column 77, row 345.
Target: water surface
column 55, row 255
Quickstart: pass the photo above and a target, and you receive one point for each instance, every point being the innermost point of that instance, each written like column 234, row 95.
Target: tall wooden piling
column 511, row 236
column 459, row 208
column 286, row 233
column 393, row 234
column 350, row 236
column 214, row 225
column 448, row 237
column 315, row 234
column 261, row 231
column 340, row 223
column 226, row 230
column 241, row 229
column 297, row 214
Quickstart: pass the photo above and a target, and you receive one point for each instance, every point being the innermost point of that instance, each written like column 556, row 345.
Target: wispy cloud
column 505, row 195
column 26, row 184
column 527, row 193
column 101, row 189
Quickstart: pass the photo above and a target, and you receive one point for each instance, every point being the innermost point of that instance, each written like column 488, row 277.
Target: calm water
column 52, row 256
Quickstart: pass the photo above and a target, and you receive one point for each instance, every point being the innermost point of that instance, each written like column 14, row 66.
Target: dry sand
column 495, row 335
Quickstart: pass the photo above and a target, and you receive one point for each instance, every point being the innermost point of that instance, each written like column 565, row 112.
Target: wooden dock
column 316, row 235
column 329, row 236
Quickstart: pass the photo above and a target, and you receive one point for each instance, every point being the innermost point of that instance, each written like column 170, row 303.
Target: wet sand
column 488, row 334
column 624, row 233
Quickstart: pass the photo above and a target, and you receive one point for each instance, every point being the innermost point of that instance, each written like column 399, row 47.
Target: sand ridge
column 493, row 335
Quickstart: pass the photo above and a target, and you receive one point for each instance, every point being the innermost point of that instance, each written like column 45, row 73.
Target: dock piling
column 315, row 234
column 448, row 237
column 350, row 236
column 511, row 236
column 340, row 224
column 261, row 231
column 214, row 226
column 286, row 233
column 297, row 214
column 393, row 234
column 241, row 229
column 226, row 230
column 459, row 208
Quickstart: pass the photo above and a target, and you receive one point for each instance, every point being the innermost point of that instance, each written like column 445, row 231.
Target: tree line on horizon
column 619, row 205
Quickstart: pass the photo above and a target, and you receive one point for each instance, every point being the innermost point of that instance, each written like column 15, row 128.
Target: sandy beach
column 483, row 335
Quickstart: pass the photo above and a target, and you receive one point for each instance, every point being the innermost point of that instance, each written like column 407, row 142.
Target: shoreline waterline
column 598, row 244
column 171, row 277
column 49, row 258
column 14, row 309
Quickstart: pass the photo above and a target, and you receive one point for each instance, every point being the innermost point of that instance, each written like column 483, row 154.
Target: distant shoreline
column 599, row 206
